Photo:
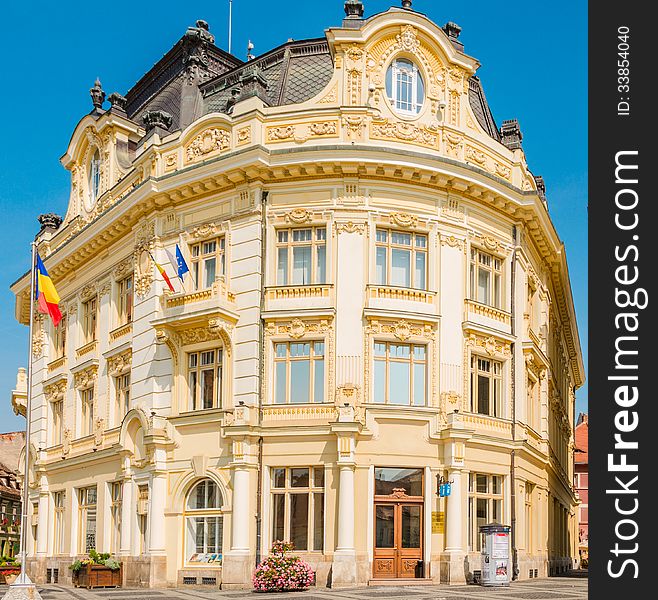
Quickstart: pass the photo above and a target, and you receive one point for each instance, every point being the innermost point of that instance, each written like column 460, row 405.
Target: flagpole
column 23, row 581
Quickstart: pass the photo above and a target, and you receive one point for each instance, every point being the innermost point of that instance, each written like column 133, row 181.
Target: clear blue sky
column 534, row 68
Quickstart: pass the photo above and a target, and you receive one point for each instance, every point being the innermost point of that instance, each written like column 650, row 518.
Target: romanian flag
column 163, row 273
column 45, row 293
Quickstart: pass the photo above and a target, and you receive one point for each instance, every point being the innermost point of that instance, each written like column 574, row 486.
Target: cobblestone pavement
column 554, row 588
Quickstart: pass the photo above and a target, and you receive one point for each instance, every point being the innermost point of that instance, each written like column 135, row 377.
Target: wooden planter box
column 5, row 578
column 95, row 576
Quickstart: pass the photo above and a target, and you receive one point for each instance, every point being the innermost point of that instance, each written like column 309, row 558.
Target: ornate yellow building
column 378, row 299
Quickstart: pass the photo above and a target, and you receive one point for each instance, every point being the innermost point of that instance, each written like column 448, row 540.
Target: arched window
column 404, row 87
column 203, row 524
column 94, row 177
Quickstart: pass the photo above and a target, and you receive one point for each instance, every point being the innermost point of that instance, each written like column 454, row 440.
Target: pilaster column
column 345, row 542
column 455, row 514
column 241, row 504
column 127, row 511
column 42, row 528
column 157, row 514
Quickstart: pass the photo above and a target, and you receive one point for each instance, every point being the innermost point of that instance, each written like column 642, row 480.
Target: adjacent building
column 581, row 482
column 11, row 445
column 377, row 301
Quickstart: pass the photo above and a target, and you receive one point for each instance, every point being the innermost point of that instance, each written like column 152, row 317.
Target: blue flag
column 181, row 264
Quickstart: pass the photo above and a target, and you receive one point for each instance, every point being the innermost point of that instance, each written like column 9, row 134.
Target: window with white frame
column 116, row 496
column 122, row 397
column 486, row 278
column 89, row 319
column 528, row 516
column 142, row 517
column 204, row 524
column 404, row 87
column 59, row 339
column 400, row 373
column 57, row 410
column 87, row 412
column 125, row 300
column 298, row 507
column 87, row 519
column 94, row 181
column 485, row 505
column 204, row 378
column 208, row 262
column 532, row 402
column 401, row 259
column 58, row 531
column 486, row 386
column 301, row 256
column 299, row 373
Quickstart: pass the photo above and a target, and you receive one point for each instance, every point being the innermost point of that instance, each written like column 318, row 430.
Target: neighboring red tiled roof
column 581, row 451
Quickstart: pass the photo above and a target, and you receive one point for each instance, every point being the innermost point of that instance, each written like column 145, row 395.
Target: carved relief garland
column 209, row 141
column 144, row 247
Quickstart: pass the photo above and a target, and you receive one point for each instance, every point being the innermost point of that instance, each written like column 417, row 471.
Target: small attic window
column 94, row 177
column 404, row 87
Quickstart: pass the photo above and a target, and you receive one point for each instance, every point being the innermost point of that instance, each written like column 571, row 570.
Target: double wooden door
column 398, row 544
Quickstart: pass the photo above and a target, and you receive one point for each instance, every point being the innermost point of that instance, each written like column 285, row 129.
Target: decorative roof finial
column 50, row 221
column 510, row 134
column 354, row 9
column 97, row 94
column 406, row 4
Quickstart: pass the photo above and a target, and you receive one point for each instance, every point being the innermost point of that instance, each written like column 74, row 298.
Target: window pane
column 280, row 383
column 382, row 235
column 404, row 239
column 299, row 381
column 387, row 479
column 483, row 286
column 380, row 382
column 318, row 384
column 278, row 517
column 299, row 521
column 318, row 477
column 411, row 524
column 420, row 282
column 209, row 268
column 483, row 395
column 282, row 266
column 420, row 393
column 384, row 526
column 400, row 267
column 380, row 268
column 321, row 275
column 481, row 484
column 497, row 292
column 299, row 478
column 318, row 520
column 300, row 350
column 283, row 235
column 279, row 478
column 301, row 235
column 497, row 484
column 301, row 265
column 208, row 378
column 280, row 350
column 399, row 383
column 497, row 514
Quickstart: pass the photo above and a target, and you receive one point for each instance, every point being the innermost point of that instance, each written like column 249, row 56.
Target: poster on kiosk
column 495, row 555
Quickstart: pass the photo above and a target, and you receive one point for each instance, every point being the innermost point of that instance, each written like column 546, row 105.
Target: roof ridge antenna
column 230, row 24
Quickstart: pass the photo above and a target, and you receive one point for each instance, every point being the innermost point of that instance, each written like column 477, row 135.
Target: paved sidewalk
column 553, row 588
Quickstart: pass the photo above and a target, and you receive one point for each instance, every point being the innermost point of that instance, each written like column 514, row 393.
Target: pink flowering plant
column 282, row 572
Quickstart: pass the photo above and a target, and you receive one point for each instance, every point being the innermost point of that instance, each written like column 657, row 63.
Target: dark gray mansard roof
column 196, row 78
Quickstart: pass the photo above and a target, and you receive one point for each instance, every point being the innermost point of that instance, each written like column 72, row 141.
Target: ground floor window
column 58, row 534
column 485, row 505
column 87, row 514
column 204, row 523
column 298, row 507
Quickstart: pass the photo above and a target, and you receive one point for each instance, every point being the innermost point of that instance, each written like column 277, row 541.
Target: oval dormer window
column 94, row 178
column 404, row 87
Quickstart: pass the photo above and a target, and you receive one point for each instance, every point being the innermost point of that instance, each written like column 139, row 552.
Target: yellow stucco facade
column 388, row 298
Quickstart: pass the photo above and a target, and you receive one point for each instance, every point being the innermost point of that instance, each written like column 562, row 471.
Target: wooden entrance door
column 398, row 544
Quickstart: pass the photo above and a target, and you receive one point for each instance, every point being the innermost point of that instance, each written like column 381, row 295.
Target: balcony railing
column 490, row 312
column 120, row 332
column 298, row 292
column 87, row 349
column 400, row 293
column 58, row 363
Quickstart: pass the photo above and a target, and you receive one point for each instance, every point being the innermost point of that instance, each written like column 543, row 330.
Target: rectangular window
column 87, row 518
column 58, row 533
column 208, row 262
column 485, row 505
column 301, row 256
column 59, row 339
column 122, row 397
column 401, row 259
column 299, row 372
column 204, row 377
column 400, row 374
column 142, row 517
column 486, row 278
column 125, row 303
column 87, row 421
column 89, row 317
column 528, row 517
column 116, row 491
column 57, row 408
column 298, row 507
column 486, row 386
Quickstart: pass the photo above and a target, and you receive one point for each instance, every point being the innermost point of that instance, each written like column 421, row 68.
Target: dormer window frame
column 405, row 86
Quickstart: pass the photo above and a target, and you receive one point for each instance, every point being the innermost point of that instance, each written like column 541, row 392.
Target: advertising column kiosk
column 495, row 555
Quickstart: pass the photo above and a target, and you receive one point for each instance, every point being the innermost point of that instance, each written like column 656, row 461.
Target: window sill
column 88, row 348
column 120, row 331
column 287, row 292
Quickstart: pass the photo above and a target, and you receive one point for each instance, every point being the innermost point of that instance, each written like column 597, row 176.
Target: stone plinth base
column 144, row 571
column 344, row 570
column 237, row 570
column 454, row 568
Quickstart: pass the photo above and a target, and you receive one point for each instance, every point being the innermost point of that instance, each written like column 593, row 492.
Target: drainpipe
column 261, row 373
column 515, row 557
